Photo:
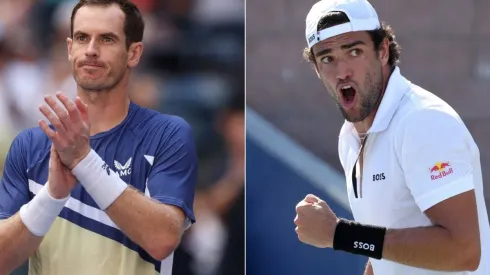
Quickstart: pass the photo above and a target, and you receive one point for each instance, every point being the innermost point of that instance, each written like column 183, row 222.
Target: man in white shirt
column 413, row 171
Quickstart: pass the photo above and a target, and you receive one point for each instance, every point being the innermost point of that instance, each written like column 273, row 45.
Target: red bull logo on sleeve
column 440, row 170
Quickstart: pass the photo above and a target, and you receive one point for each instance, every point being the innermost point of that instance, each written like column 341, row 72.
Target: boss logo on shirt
column 364, row 246
column 440, row 170
column 379, row 177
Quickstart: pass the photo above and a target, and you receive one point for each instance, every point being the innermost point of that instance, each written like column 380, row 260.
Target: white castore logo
column 123, row 170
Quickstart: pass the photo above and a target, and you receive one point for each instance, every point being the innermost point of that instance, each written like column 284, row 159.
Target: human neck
column 362, row 127
column 106, row 109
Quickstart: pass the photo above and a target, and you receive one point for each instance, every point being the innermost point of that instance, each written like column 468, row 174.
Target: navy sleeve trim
column 4, row 216
column 179, row 203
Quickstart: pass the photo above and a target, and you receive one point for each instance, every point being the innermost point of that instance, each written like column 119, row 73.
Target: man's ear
column 69, row 43
column 134, row 54
column 384, row 51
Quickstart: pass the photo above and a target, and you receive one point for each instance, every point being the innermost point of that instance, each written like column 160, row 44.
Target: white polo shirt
column 418, row 153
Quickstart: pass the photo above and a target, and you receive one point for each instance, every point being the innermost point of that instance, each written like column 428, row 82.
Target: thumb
column 312, row 198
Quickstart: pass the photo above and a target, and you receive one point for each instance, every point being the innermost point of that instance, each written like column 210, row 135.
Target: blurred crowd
column 192, row 66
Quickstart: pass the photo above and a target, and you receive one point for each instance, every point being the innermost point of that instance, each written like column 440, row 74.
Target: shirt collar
column 397, row 87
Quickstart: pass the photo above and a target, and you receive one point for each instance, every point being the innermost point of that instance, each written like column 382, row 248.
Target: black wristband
column 355, row 238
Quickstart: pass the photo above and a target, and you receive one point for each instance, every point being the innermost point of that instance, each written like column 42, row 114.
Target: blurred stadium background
column 193, row 66
column 293, row 125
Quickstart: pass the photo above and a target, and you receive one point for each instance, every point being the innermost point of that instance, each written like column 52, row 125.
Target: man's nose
column 92, row 49
column 344, row 71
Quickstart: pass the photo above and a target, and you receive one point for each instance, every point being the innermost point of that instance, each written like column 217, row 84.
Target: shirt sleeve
column 436, row 154
column 14, row 189
column 173, row 177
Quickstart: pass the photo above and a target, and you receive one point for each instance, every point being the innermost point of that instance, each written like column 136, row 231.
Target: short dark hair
column 134, row 26
column 377, row 36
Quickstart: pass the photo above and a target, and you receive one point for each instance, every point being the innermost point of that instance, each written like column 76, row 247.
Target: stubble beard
column 99, row 85
column 369, row 101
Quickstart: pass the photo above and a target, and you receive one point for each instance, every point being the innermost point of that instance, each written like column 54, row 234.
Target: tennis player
column 102, row 186
column 414, row 180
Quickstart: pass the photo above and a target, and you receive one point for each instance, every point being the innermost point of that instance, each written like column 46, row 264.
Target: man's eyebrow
column 323, row 52
column 111, row 34
column 79, row 33
column 353, row 44
column 344, row 47
column 107, row 34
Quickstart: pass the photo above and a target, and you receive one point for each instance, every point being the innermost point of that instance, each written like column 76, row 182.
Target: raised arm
column 22, row 233
column 442, row 182
column 156, row 223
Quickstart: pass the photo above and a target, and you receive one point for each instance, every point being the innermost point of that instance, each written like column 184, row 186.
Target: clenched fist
column 315, row 222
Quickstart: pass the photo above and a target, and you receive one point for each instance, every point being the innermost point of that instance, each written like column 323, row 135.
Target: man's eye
column 327, row 59
column 355, row 52
column 81, row 38
column 107, row 39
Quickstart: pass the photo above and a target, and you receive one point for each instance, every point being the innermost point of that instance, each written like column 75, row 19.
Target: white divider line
column 298, row 158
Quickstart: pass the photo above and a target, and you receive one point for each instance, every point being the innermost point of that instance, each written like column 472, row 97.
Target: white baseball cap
column 361, row 14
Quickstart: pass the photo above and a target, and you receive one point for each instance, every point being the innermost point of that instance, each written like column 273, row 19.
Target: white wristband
column 39, row 214
column 103, row 184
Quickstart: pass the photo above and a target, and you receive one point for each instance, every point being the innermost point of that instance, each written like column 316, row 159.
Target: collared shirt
column 152, row 152
column 418, row 153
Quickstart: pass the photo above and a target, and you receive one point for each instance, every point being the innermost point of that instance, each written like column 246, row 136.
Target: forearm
column 154, row 226
column 369, row 269
column 17, row 243
column 22, row 234
column 425, row 247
